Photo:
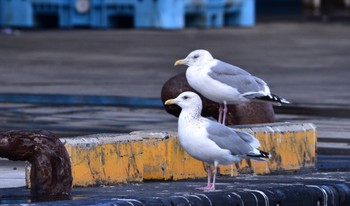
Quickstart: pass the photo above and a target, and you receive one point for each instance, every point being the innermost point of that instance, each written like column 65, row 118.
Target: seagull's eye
column 195, row 56
column 185, row 97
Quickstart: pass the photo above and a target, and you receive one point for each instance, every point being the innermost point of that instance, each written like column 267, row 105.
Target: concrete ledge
column 105, row 159
column 292, row 146
column 114, row 158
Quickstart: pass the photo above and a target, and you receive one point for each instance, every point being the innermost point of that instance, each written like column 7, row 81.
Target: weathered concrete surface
column 105, row 159
column 288, row 190
column 140, row 156
column 306, row 62
column 292, row 146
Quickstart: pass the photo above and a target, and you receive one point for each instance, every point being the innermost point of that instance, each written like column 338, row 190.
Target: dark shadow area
column 193, row 20
column 47, row 21
column 122, row 21
column 302, row 11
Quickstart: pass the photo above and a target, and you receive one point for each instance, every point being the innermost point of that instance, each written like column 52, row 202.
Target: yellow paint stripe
column 105, row 159
column 138, row 156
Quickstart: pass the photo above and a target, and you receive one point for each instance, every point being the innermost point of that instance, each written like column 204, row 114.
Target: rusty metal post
column 50, row 175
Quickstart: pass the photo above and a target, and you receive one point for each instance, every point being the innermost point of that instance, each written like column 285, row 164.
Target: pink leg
column 225, row 112
column 209, row 185
column 209, row 176
column 220, row 113
column 214, row 176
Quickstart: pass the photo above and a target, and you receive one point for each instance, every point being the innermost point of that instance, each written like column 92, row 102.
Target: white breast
column 193, row 138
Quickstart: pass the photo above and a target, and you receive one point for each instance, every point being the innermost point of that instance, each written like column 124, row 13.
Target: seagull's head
column 187, row 100
column 195, row 58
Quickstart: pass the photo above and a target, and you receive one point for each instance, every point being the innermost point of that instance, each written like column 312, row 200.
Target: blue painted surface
column 169, row 14
column 81, row 100
column 16, row 13
column 243, row 15
column 333, row 162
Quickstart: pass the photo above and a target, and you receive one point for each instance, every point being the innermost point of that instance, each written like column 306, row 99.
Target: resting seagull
column 224, row 83
column 210, row 141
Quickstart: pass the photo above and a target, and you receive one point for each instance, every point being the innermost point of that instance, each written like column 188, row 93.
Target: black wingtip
column 261, row 155
column 264, row 154
column 274, row 99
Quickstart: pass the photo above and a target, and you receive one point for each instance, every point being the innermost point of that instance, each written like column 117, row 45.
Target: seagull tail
column 260, row 156
column 274, row 99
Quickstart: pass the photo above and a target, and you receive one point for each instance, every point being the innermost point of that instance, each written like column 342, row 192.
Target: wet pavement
column 70, row 120
column 12, row 173
column 303, row 62
column 297, row 189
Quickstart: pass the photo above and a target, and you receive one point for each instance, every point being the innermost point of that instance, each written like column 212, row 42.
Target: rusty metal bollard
column 250, row 113
column 50, row 175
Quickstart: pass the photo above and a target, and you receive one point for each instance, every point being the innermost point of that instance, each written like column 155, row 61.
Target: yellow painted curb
column 292, row 146
column 143, row 155
column 105, row 159
column 164, row 158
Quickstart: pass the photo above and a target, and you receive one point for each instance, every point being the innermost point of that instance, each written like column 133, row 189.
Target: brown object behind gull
column 250, row 113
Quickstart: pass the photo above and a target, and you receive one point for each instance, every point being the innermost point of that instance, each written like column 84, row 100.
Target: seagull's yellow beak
column 170, row 101
column 180, row 62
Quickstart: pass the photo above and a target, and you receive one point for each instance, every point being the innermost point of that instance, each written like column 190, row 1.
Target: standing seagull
column 224, row 83
column 209, row 141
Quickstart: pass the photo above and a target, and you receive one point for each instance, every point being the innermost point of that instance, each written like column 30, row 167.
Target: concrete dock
column 307, row 63
column 298, row 189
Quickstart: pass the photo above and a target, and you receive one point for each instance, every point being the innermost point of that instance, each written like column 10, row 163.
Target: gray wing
column 251, row 140
column 236, row 78
column 227, row 138
column 228, row 69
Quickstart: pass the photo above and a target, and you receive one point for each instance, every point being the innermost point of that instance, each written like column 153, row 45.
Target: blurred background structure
column 126, row 13
column 169, row 14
